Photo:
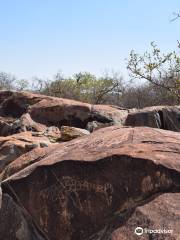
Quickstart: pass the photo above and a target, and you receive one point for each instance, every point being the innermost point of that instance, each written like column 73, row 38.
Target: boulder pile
column 75, row 171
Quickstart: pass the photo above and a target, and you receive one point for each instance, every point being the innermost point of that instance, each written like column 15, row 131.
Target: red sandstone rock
column 16, row 103
column 52, row 111
column 88, row 187
column 20, row 225
column 11, row 147
column 163, row 213
column 27, row 124
column 6, row 126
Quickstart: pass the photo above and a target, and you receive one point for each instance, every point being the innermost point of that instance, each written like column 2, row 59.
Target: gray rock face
column 164, row 117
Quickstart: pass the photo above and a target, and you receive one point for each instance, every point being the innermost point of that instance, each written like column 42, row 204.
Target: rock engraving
column 68, row 185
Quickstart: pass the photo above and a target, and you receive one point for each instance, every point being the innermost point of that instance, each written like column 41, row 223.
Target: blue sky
column 40, row 37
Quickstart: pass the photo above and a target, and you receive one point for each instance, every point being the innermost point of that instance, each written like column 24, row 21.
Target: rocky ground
column 75, row 171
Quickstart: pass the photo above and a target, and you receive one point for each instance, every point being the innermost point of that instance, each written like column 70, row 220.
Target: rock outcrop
column 11, row 147
column 25, row 123
column 6, row 126
column 20, row 225
column 99, row 186
column 16, row 103
column 52, row 111
column 162, row 214
column 67, row 112
column 164, row 117
column 90, row 186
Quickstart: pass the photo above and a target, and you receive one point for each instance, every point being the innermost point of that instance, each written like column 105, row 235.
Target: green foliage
column 162, row 70
column 85, row 87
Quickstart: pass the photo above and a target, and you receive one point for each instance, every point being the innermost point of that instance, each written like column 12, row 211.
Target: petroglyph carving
column 57, row 191
column 78, row 185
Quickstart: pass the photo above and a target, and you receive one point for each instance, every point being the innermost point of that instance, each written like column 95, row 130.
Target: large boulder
column 35, row 155
column 52, row 111
column 16, row 223
column 159, row 220
column 59, row 112
column 16, row 103
column 6, row 126
column 88, row 187
column 25, row 123
column 164, row 117
column 11, row 147
column 9, row 126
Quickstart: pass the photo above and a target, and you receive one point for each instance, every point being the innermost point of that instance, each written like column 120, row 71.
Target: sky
column 41, row 37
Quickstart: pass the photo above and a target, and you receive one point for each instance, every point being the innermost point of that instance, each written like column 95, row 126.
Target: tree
column 21, row 85
column 145, row 95
column 6, row 81
column 39, row 85
column 85, row 87
column 176, row 16
column 162, row 70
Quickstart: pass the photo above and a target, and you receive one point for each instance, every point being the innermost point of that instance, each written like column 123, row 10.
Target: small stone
column 43, row 144
column 69, row 133
column 31, row 146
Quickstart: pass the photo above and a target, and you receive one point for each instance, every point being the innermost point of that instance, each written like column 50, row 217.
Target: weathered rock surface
column 94, row 125
column 26, row 123
column 88, row 187
column 97, row 187
column 69, row 133
column 164, row 117
column 16, row 103
column 52, row 111
column 53, row 133
column 9, row 126
column 6, row 126
column 60, row 112
column 20, row 226
column 163, row 213
column 11, row 147
column 35, row 155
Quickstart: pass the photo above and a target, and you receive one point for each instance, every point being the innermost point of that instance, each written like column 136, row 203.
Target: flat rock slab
column 88, row 187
